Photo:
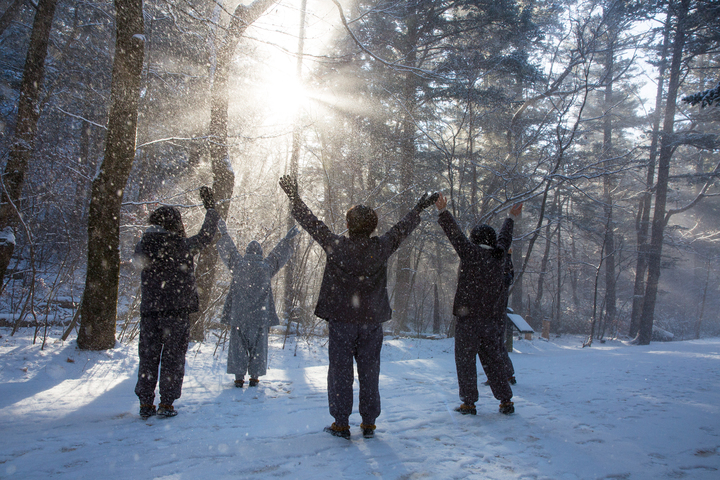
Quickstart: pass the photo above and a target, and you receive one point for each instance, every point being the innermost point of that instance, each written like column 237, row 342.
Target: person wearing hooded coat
column 168, row 296
column 479, row 305
column 354, row 300
column 249, row 308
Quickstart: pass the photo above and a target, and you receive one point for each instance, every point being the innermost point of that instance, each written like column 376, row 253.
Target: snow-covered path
column 610, row 411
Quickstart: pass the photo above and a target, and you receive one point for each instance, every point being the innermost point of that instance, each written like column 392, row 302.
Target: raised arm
column 204, row 237
column 401, row 230
column 504, row 240
column 456, row 236
column 226, row 247
column 282, row 252
column 316, row 228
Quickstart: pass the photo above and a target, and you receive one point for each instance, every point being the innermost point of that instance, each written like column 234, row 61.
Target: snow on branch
column 705, row 98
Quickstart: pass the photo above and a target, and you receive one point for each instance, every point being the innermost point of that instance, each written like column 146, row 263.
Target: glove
column 292, row 232
column 290, row 186
column 222, row 226
column 425, row 201
column 207, row 198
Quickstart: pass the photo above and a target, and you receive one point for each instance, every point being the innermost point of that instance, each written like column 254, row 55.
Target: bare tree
column 223, row 176
column 99, row 303
column 21, row 150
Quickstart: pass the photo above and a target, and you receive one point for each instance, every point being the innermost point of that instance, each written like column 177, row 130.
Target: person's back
column 353, row 299
column 480, row 283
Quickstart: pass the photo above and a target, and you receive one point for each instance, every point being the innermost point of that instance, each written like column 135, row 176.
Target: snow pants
column 476, row 338
column 363, row 343
column 248, row 351
column 164, row 338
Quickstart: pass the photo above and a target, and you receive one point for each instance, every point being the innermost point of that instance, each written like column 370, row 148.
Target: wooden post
column 546, row 329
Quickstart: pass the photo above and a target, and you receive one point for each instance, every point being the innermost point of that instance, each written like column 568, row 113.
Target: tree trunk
column 610, row 277
column 12, row 12
column 408, row 149
column 98, row 309
column 537, row 314
column 290, row 297
column 223, row 176
column 643, row 216
column 28, row 115
column 698, row 324
column 661, row 190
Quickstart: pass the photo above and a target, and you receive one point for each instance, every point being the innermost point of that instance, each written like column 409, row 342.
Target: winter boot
column 512, row 380
column 239, row 382
column 254, row 382
column 166, row 411
column 467, row 409
column 338, row 431
column 368, row 431
column 507, row 408
column 147, row 410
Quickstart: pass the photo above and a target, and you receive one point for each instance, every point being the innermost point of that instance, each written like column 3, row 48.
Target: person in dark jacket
column 168, row 296
column 509, row 276
column 479, row 305
column 353, row 299
column 249, row 308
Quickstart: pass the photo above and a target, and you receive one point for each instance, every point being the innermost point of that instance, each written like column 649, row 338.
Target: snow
column 609, row 411
column 7, row 237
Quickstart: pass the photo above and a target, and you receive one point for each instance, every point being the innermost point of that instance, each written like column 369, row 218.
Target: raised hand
column 207, row 197
column 290, row 186
column 425, row 201
column 292, row 232
column 441, row 202
column 222, row 226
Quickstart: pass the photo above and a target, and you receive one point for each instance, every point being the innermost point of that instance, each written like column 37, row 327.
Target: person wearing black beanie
column 479, row 305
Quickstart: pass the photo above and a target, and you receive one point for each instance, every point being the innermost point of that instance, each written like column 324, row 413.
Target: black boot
column 338, row 431
column 467, row 409
column 166, row 411
column 368, row 431
column 507, row 408
column 147, row 410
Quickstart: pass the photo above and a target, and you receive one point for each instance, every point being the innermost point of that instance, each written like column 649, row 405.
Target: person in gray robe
column 249, row 308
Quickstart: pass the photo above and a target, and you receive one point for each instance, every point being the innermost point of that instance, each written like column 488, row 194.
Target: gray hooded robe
column 249, row 309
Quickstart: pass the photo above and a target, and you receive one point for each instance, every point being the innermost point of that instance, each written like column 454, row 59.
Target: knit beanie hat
column 254, row 248
column 168, row 218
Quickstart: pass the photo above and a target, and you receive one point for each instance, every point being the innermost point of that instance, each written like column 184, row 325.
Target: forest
column 602, row 116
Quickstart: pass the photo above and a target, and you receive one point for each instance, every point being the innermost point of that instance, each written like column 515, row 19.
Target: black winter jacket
column 354, row 284
column 168, row 269
column 481, row 290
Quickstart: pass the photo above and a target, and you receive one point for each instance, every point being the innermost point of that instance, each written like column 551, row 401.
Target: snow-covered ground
column 609, row 411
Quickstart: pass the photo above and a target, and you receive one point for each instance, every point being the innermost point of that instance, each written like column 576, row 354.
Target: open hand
column 441, row 203
column 516, row 209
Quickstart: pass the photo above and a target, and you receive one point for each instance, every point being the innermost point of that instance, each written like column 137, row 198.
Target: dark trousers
column 363, row 343
column 475, row 338
column 164, row 338
column 509, row 368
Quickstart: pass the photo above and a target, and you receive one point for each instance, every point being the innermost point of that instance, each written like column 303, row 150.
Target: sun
column 286, row 98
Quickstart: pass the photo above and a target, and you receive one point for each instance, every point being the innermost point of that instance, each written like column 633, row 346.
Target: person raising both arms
column 353, row 299
column 168, row 297
column 479, row 305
